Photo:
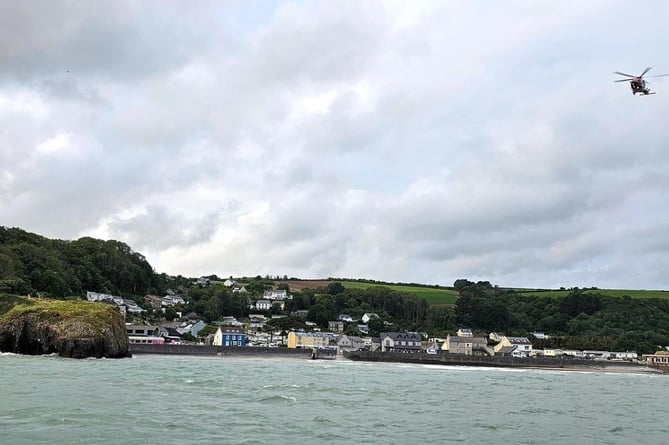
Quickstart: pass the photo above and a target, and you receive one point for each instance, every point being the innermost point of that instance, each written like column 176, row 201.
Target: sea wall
column 216, row 350
column 469, row 360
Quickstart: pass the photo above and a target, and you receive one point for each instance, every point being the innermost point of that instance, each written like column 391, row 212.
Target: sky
column 390, row 140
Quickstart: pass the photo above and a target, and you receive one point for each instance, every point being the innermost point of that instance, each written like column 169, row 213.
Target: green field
column 610, row 292
column 436, row 296
column 432, row 295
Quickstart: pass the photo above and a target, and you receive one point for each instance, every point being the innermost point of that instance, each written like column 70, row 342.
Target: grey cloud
column 485, row 142
column 159, row 229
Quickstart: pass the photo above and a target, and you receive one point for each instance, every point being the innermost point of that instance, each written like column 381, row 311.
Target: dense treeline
column 30, row 263
column 584, row 319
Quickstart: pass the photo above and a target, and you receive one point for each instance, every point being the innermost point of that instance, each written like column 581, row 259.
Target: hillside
column 432, row 294
column 30, row 263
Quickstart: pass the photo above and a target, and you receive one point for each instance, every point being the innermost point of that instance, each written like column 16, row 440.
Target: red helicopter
column 638, row 83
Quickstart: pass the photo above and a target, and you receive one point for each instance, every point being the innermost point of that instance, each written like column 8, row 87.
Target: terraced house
column 310, row 339
column 456, row 344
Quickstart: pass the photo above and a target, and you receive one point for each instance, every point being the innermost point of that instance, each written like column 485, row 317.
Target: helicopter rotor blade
column 659, row 75
column 623, row 74
column 645, row 71
column 623, row 80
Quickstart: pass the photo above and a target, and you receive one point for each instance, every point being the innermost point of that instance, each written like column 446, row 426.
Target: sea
column 159, row 399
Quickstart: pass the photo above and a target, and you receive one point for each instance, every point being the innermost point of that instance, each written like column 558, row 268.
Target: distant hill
column 632, row 293
column 30, row 263
column 446, row 295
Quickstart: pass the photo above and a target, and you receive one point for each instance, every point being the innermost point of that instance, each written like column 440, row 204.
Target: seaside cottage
column 659, row 358
column 522, row 346
column 400, row 342
column 229, row 336
column 456, row 344
column 350, row 343
column 309, row 339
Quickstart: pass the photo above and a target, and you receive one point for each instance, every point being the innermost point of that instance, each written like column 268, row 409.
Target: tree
column 335, row 288
column 170, row 313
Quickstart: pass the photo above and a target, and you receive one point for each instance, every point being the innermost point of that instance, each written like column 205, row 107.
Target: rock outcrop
column 76, row 329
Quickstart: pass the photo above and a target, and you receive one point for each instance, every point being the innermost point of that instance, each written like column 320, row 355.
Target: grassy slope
column 431, row 295
column 443, row 296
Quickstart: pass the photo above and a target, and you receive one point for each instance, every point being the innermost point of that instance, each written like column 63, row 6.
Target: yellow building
column 520, row 346
column 309, row 339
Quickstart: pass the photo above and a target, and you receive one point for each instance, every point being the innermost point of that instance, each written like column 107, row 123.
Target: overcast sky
column 392, row 140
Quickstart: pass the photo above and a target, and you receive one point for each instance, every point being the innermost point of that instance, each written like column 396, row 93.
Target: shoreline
column 557, row 364
column 416, row 358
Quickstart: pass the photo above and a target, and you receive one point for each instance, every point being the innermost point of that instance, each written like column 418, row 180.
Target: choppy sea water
column 228, row 400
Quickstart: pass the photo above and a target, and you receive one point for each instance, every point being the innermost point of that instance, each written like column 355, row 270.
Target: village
column 256, row 332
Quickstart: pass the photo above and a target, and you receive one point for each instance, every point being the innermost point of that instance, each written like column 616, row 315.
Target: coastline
column 213, row 351
column 555, row 364
column 416, row 358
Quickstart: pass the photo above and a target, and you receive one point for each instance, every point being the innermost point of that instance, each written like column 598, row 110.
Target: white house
column 172, row 300
column 192, row 328
column 230, row 321
column 263, row 305
column 400, row 341
column 628, row 355
column 96, row 296
column 229, row 283
column 132, row 307
column 464, row 332
column 368, row 316
column 276, row 294
column 257, row 320
column 350, row 343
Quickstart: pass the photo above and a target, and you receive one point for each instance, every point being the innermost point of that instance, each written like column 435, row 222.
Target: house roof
column 314, row 334
column 519, row 340
column 140, row 326
column 456, row 339
column 401, row 335
column 229, row 330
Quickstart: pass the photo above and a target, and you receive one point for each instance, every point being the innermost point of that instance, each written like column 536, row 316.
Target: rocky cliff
column 76, row 329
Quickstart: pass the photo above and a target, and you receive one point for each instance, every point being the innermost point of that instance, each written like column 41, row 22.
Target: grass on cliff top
column 12, row 306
